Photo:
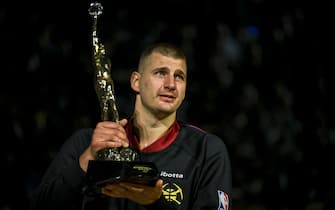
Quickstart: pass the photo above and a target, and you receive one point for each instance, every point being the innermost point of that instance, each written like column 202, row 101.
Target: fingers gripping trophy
column 119, row 163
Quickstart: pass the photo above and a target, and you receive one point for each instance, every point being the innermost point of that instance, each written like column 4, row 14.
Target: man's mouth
column 168, row 98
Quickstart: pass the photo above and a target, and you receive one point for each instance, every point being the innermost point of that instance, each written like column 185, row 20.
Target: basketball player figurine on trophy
column 112, row 164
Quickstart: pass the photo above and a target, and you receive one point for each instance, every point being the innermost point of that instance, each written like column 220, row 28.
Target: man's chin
column 164, row 111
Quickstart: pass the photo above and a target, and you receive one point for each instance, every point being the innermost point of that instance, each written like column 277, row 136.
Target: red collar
column 159, row 144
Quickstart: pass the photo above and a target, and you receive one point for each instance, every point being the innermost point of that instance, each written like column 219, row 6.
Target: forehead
column 157, row 60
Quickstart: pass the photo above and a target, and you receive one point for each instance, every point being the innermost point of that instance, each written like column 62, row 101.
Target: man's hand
column 107, row 134
column 141, row 194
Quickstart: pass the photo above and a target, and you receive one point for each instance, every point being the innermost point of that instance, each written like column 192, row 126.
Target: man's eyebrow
column 160, row 68
column 180, row 71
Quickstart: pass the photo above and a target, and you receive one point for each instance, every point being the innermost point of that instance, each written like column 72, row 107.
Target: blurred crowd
column 257, row 78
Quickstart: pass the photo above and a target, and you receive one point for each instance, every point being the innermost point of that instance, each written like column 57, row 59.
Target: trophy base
column 101, row 172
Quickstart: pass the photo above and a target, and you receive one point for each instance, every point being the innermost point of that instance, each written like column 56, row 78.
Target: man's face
column 162, row 83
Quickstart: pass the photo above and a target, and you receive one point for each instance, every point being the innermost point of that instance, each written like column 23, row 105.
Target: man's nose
column 170, row 82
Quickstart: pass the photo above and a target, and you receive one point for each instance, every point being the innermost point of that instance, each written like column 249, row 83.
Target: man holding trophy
column 194, row 171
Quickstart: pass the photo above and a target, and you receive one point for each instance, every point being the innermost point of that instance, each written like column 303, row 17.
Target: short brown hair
column 166, row 49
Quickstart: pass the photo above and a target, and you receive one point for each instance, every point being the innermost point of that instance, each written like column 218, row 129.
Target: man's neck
column 151, row 129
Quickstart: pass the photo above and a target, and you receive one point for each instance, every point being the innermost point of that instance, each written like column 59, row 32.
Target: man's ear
column 134, row 81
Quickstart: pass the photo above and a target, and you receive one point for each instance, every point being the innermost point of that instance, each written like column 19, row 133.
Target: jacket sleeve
column 61, row 185
column 214, row 190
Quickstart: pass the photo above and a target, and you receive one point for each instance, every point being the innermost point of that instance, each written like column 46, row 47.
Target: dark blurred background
column 257, row 78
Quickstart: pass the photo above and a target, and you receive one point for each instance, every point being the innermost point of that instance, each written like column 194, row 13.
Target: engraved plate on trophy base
column 101, row 172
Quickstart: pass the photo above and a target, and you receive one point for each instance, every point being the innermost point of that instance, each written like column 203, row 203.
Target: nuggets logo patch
column 172, row 193
column 223, row 200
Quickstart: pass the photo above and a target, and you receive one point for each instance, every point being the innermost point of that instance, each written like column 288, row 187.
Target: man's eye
column 180, row 77
column 160, row 73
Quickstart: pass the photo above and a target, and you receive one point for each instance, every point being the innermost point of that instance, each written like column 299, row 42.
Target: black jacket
column 195, row 169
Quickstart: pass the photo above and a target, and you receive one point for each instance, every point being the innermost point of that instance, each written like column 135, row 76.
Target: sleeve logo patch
column 223, row 200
